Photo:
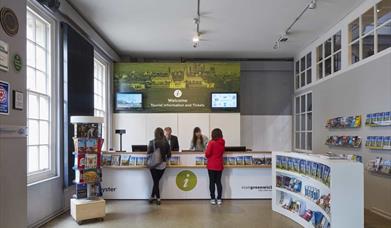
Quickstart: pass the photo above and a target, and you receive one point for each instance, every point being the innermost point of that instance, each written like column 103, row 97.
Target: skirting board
column 382, row 213
column 48, row 218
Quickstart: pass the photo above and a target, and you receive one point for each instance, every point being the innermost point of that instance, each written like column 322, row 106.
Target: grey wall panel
column 361, row 90
column 266, row 92
column 13, row 155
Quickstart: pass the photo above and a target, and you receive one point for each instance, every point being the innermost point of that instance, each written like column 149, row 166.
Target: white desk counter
column 187, row 180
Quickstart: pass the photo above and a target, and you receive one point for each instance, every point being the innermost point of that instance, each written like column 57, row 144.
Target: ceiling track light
column 284, row 36
column 196, row 20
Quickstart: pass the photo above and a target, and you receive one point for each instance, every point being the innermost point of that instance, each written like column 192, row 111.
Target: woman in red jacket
column 214, row 153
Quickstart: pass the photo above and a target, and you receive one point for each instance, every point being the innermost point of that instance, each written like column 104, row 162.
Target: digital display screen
column 126, row 101
column 224, row 100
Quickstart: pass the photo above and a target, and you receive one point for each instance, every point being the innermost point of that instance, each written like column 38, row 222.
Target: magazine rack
column 344, row 141
column 344, row 122
column 378, row 142
column 381, row 119
column 317, row 190
column 87, row 202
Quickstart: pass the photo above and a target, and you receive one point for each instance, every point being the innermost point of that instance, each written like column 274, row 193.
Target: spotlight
column 196, row 40
column 312, row 5
column 283, row 38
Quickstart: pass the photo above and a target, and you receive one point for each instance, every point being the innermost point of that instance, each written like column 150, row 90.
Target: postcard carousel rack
column 87, row 202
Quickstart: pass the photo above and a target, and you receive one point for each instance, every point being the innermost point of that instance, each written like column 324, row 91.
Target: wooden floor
column 196, row 213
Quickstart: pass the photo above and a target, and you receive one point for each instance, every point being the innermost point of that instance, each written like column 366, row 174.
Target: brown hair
column 197, row 129
column 217, row 134
column 159, row 137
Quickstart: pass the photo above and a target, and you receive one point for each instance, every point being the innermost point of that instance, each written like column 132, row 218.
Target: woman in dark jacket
column 160, row 143
column 214, row 153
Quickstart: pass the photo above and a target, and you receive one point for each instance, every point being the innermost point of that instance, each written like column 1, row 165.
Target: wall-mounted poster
column 4, row 98
column 174, row 87
column 4, row 56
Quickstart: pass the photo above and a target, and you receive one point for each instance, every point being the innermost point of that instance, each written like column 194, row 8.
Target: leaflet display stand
column 87, row 203
column 318, row 190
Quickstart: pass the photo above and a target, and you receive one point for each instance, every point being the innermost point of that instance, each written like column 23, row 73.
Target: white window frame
column 298, row 71
column 52, row 171
column 361, row 36
column 306, row 150
column 331, row 57
column 98, row 59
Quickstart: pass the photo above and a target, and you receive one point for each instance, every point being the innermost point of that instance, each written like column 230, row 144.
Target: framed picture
column 4, row 56
column 4, row 98
column 18, row 100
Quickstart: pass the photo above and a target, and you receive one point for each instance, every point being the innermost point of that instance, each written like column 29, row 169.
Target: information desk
column 247, row 175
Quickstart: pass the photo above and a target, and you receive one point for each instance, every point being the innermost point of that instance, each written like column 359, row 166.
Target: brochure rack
column 344, row 141
column 87, row 202
column 317, row 190
column 381, row 119
column 378, row 143
column 344, row 122
column 379, row 166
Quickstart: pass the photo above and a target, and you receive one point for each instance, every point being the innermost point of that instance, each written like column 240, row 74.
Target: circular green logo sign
column 186, row 180
column 17, row 62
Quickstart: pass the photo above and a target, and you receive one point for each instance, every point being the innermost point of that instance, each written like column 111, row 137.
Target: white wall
column 140, row 127
column 270, row 133
column 48, row 198
column 360, row 88
column 13, row 151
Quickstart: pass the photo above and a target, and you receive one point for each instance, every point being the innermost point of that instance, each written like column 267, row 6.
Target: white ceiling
column 234, row 28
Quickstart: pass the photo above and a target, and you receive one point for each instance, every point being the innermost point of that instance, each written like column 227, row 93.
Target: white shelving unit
column 346, row 188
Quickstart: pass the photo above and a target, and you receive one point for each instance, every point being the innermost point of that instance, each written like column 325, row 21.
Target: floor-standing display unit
column 318, row 190
column 87, row 202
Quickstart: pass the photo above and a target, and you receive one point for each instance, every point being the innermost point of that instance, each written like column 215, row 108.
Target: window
column 100, row 77
column 371, row 32
column 40, row 120
column 303, row 71
column 329, row 56
column 303, row 122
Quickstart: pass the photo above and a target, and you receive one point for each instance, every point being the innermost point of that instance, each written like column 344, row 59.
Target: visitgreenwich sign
column 176, row 87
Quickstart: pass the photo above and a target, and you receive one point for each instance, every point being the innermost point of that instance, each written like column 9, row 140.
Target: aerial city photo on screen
column 174, row 87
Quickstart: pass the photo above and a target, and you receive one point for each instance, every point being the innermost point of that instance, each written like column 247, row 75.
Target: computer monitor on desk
column 235, row 148
column 139, row 148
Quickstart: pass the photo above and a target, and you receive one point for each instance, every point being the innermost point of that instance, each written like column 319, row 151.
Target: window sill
column 42, row 181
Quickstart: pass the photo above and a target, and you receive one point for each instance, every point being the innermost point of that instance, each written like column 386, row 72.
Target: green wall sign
column 17, row 62
column 177, row 87
column 186, row 180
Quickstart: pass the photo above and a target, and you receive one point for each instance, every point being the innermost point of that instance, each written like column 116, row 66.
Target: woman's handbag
column 154, row 159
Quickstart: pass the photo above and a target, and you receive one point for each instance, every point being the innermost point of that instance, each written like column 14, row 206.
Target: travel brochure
column 379, row 166
column 237, row 161
column 87, row 160
column 344, row 122
column 378, row 142
column 378, row 119
column 88, row 130
column 299, row 207
column 295, row 185
column 344, row 141
column 315, row 170
column 88, row 176
column 124, row 160
column 333, row 156
column 88, row 145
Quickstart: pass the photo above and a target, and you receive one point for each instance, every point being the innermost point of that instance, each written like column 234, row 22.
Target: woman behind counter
column 199, row 141
column 214, row 153
column 160, row 143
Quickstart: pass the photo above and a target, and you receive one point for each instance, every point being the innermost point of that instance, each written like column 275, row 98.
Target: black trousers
column 156, row 176
column 215, row 180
